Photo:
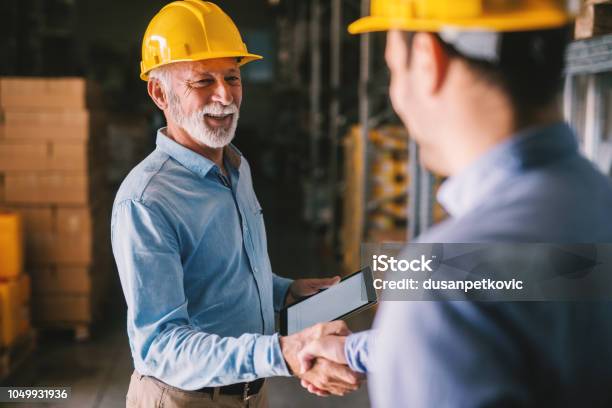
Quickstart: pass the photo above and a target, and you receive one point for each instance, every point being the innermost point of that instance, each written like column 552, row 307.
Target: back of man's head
column 528, row 69
column 485, row 85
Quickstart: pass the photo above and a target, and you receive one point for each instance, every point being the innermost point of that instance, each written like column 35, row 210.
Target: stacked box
column 594, row 19
column 52, row 171
column 14, row 284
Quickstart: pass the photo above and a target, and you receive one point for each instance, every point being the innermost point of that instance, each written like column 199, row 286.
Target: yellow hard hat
column 464, row 15
column 191, row 30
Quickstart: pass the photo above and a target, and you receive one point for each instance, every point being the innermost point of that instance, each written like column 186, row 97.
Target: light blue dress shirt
column 190, row 246
column 535, row 187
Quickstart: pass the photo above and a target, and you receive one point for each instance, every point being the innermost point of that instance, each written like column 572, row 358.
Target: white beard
column 195, row 125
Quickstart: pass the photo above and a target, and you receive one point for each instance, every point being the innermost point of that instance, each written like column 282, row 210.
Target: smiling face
column 202, row 98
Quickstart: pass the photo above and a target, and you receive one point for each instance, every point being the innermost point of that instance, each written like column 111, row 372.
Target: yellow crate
column 11, row 245
column 11, row 311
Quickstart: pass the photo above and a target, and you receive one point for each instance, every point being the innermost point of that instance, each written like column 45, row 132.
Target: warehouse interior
column 332, row 165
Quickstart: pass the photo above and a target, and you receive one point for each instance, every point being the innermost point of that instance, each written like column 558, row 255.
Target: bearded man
column 189, row 240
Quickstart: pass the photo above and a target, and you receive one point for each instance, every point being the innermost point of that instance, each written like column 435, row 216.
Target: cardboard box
column 65, row 234
column 11, row 245
column 45, row 92
column 74, row 220
column 62, row 309
column 55, row 219
column 56, row 280
column 594, row 19
column 36, row 220
column 70, row 240
column 54, row 156
column 19, row 155
column 53, row 248
column 69, row 156
column 52, row 125
column 46, row 188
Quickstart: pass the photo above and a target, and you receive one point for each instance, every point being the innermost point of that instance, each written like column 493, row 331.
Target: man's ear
column 156, row 92
column 430, row 59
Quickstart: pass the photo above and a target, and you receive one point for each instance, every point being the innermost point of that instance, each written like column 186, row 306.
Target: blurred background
column 332, row 165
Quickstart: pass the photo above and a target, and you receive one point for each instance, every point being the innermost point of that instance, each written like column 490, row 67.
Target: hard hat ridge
column 465, row 15
column 191, row 30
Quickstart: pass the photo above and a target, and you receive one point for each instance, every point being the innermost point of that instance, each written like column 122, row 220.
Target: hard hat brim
column 517, row 21
column 245, row 59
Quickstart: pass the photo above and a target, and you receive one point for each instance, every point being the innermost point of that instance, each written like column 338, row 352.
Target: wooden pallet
column 12, row 357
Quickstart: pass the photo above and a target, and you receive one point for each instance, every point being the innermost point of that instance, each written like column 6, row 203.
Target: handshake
column 316, row 356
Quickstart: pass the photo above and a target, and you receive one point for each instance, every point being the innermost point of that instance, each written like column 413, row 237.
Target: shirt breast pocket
column 255, row 206
column 259, row 228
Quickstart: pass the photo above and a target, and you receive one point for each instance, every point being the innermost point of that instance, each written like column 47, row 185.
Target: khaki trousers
column 149, row 392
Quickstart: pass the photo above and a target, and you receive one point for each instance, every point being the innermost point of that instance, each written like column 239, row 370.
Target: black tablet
column 352, row 294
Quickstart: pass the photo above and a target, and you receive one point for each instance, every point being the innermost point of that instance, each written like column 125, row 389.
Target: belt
column 246, row 389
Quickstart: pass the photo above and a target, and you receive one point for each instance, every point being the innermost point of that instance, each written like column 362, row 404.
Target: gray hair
column 163, row 75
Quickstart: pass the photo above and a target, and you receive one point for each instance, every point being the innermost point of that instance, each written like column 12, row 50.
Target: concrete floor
column 99, row 370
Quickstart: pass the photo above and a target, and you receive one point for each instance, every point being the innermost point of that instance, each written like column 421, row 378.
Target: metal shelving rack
column 32, row 31
column 335, row 120
column 328, row 65
column 364, row 110
column 420, row 196
column 587, row 98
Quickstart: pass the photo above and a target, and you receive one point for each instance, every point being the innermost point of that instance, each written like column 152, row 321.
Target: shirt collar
column 531, row 147
column 193, row 161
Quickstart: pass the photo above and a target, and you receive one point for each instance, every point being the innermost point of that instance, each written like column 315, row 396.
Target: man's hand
column 330, row 347
column 306, row 287
column 325, row 349
column 291, row 345
column 326, row 377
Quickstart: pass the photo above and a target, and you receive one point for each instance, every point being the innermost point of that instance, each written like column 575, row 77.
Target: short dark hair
column 529, row 69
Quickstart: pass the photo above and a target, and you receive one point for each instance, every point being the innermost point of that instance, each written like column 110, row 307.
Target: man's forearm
column 191, row 359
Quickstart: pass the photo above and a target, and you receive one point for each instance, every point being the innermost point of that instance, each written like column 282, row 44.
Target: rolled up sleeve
column 164, row 342
column 357, row 350
column 280, row 287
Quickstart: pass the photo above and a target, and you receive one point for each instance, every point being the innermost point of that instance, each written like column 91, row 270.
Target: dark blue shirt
column 535, row 187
